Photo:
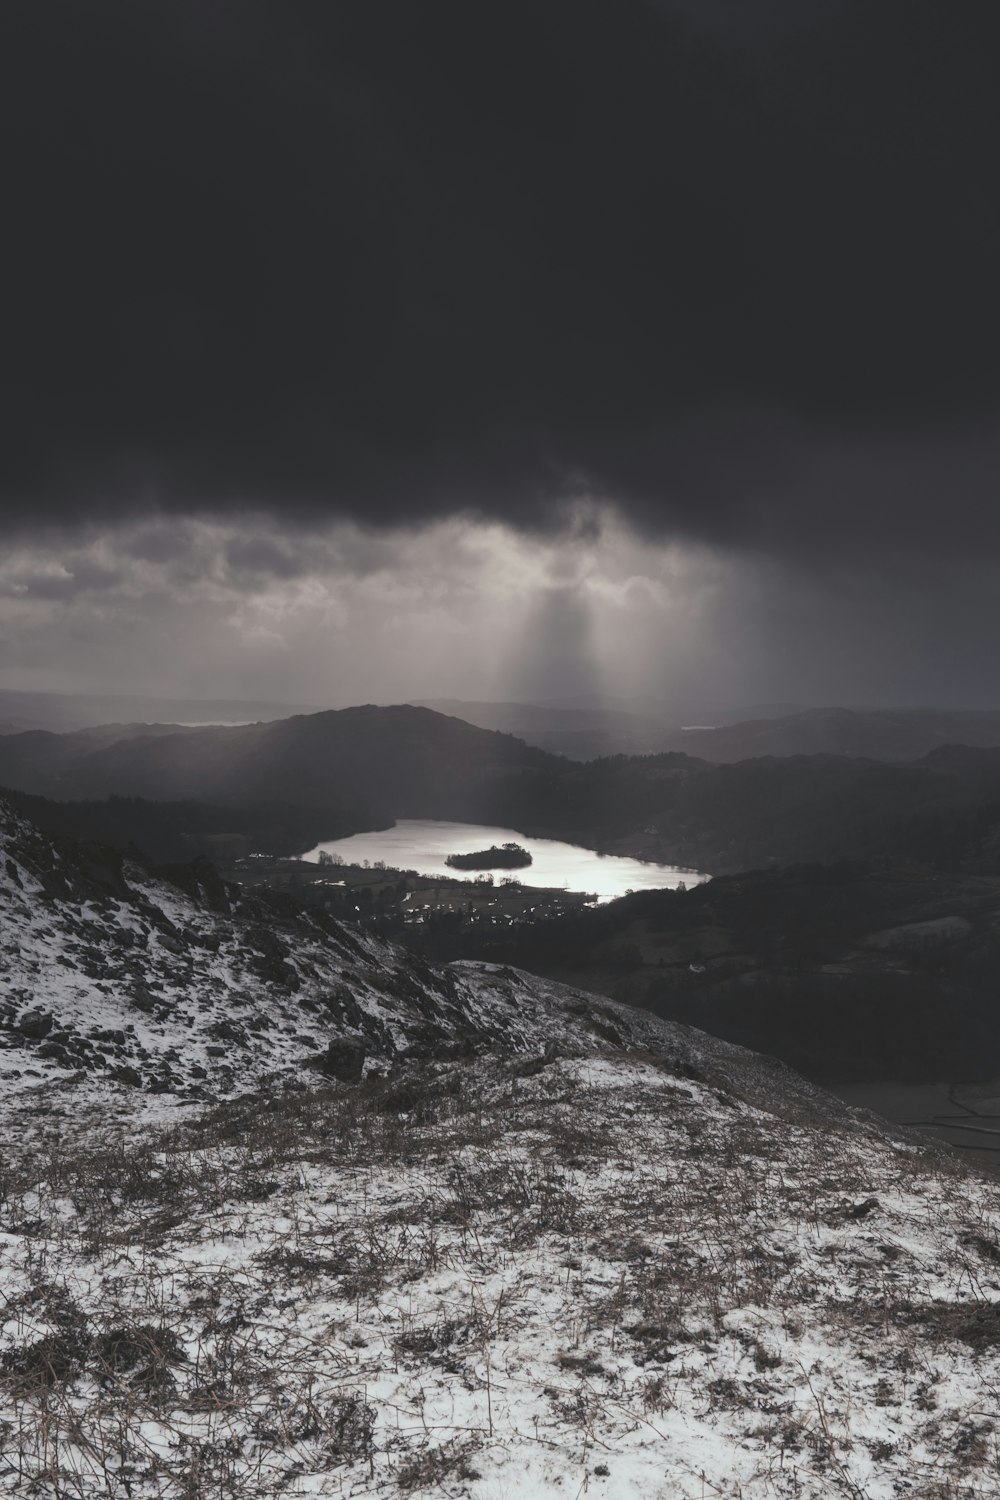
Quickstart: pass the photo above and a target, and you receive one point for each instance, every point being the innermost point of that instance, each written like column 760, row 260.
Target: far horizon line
column 436, row 702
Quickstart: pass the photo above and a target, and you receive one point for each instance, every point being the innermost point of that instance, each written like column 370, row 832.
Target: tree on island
column 503, row 857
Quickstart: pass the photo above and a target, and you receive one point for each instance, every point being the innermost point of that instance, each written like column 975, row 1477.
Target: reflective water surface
column 966, row 1115
column 422, row 844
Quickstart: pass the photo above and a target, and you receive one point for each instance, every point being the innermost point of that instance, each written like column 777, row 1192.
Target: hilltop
column 407, row 760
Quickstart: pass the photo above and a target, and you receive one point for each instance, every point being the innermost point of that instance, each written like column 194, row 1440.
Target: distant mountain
column 393, row 762
column 64, row 712
column 600, row 725
column 591, row 731
column 362, row 768
column 674, row 710
column 580, row 733
column 875, row 734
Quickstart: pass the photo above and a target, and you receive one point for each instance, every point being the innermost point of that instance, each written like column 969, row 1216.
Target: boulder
column 35, row 1024
column 57, row 1053
column 344, row 1059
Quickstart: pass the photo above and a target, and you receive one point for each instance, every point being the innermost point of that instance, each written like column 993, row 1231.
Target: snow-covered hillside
column 193, row 989
column 544, row 1247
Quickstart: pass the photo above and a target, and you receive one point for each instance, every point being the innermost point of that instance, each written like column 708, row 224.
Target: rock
column 226, row 1031
column 345, row 1060
column 35, row 1024
column 342, row 1004
column 57, row 1052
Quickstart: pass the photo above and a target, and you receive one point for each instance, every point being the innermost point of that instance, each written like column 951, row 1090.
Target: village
column 392, row 902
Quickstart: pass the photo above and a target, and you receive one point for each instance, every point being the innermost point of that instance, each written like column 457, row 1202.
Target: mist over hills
column 875, row 734
column 64, row 712
column 587, row 727
column 581, row 733
column 589, row 731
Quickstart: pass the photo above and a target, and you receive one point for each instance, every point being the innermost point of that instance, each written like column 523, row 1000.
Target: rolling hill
column 873, row 734
column 399, row 762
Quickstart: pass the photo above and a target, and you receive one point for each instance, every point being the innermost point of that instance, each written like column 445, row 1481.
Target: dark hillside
column 402, row 761
column 364, row 767
column 168, row 832
column 847, row 971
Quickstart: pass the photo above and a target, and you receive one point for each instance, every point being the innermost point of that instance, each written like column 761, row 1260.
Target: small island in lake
column 504, row 857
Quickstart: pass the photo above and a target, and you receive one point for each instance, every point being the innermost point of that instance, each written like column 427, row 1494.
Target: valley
column 283, row 787
column 850, row 925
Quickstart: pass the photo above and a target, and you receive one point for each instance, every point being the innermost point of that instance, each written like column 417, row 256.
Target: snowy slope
column 483, row 1279
column 109, row 976
column 545, row 1247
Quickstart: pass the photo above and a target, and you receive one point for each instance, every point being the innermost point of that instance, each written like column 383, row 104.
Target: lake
column 423, row 844
column 967, row 1116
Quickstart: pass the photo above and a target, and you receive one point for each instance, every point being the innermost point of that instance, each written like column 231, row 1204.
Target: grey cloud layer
column 732, row 269
column 246, row 609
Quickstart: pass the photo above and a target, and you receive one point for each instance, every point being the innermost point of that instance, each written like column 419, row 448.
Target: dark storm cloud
column 730, row 267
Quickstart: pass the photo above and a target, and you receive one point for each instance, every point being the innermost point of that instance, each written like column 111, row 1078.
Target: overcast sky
column 371, row 349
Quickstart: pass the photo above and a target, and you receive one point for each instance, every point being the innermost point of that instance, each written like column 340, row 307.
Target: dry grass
column 308, row 1283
